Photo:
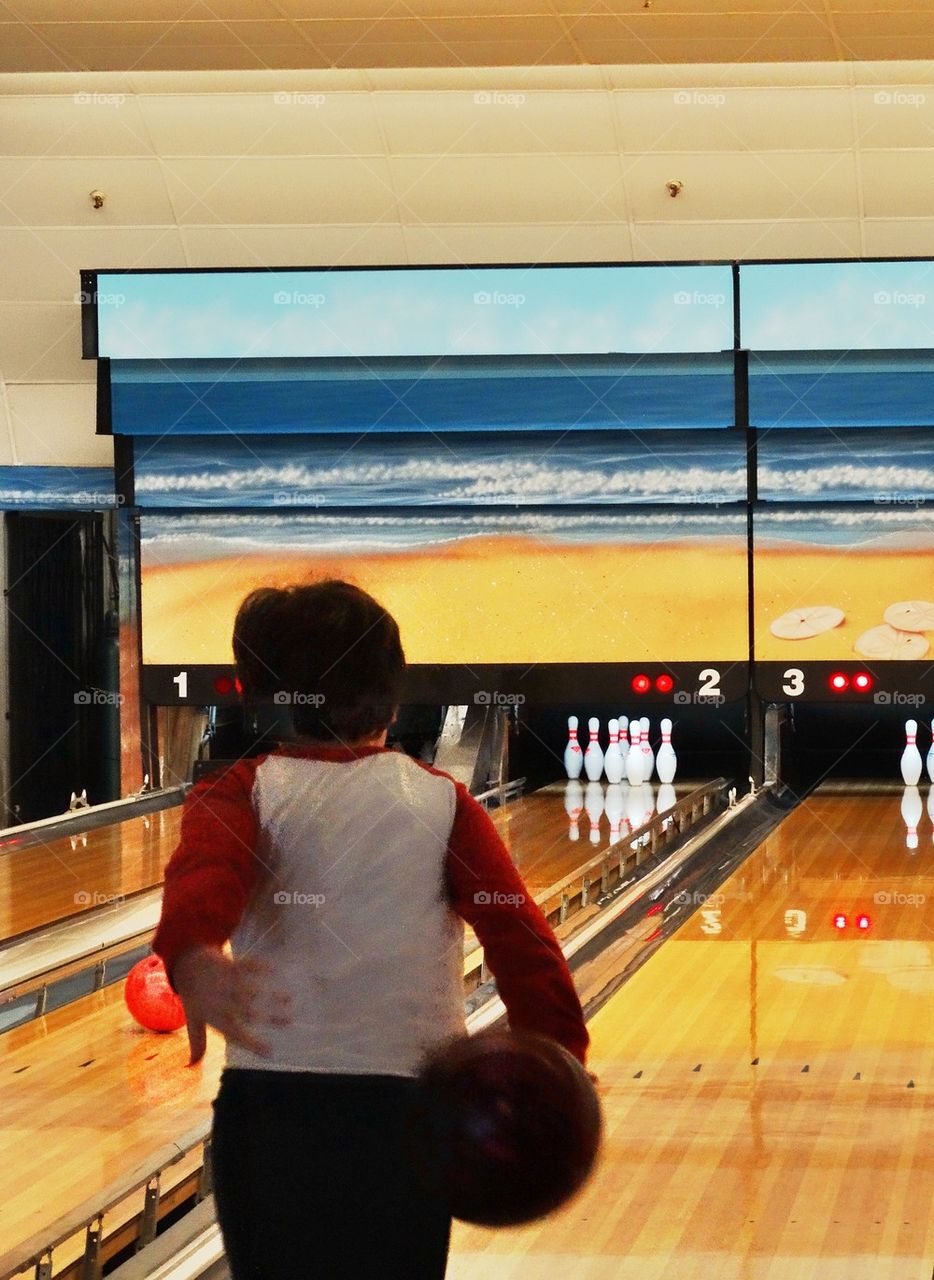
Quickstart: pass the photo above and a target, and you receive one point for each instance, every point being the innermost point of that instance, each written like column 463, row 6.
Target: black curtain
column 63, row 706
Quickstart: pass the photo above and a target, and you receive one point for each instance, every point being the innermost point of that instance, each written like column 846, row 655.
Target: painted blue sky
column 470, row 311
column 810, row 306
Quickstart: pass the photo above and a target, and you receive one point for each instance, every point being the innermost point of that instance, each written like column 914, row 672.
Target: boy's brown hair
column 328, row 651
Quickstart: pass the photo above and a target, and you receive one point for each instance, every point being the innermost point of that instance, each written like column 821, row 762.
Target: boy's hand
column 220, row 992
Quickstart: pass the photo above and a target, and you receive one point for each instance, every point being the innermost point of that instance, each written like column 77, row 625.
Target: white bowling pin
column 573, row 756
column 612, row 759
column 624, row 739
column 573, row 805
column 666, row 762
column 911, row 812
column 930, row 759
column 594, row 806
column 593, row 756
column 634, row 759
column 648, row 755
column 911, row 756
column 613, row 806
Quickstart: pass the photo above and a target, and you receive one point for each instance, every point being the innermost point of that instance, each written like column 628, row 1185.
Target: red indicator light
column 664, row 684
column 839, row 921
column 641, row 684
column 222, row 684
column 237, row 685
column 839, row 682
column 862, row 680
column 863, row 922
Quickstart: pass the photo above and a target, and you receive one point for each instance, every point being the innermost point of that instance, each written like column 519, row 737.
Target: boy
column 341, row 873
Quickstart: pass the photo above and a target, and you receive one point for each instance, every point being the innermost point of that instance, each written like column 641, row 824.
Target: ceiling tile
column 48, row 192
column 54, row 426
column 497, row 243
column 509, row 189
column 696, row 241
column 44, row 264
column 309, row 121
column 898, row 184
column 41, row 342
column 503, row 120
column 245, row 246
column 319, row 189
column 88, row 122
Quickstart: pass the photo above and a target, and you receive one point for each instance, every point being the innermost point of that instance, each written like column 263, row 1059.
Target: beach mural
column 437, row 311
column 526, row 587
column 843, row 584
column 458, row 469
column 886, row 468
column 29, row 488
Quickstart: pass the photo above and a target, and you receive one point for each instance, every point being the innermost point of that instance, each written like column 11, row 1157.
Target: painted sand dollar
column 888, row 642
column 801, row 624
column 911, row 615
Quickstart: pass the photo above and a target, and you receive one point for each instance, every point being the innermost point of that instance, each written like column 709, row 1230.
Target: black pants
column 318, row 1177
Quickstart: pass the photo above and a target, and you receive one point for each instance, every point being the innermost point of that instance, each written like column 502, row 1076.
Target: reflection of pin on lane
column 911, row 756
column 613, row 806
column 573, row 805
column 911, row 812
column 931, row 809
column 593, row 756
column 594, row 806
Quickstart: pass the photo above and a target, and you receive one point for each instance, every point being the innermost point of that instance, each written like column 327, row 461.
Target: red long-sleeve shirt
column 350, row 873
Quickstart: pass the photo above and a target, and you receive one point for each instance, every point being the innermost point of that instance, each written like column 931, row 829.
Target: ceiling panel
column 509, row 189
column 41, row 342
column 55, row 191
column 43, row 264
column 545, row 242
column 359, row 245
column 667, row 242
column 53, row 426
column 898, row 184
column 86, row 123
column 731, row 119
column 281, row 122
column 307, row 191
column 496, row 121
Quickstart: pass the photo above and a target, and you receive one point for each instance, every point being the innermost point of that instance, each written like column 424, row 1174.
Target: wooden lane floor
column 85, row 1094
column 62, row 876
column 768, row 1079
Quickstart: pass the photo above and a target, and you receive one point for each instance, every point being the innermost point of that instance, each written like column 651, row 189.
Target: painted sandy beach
column 862, row 583
column 484, row 599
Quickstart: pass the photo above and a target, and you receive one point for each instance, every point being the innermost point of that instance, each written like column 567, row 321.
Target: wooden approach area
column 767, row 1080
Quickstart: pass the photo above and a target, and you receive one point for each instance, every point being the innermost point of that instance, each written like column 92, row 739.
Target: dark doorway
column 64, row 712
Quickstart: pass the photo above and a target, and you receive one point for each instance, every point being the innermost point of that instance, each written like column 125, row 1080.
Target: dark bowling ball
column 516, row 1124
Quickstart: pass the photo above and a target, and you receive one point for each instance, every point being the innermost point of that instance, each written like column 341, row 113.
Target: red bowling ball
column 150, row 999
column 515, row 1123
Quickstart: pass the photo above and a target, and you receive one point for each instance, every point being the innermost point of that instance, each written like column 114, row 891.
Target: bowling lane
column 767, row 1079
column 56, row 878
